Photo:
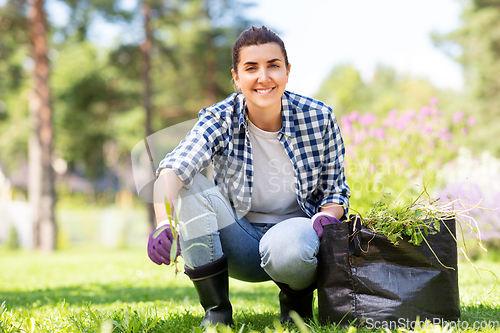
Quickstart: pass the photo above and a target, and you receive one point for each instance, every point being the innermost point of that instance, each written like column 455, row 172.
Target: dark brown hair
column 256, row 36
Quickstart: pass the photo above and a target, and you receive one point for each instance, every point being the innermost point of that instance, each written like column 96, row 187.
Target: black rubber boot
column 299, row 301
column 212, row 284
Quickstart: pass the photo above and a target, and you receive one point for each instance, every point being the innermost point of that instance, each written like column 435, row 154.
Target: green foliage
column 14, row 58
column 345, row 91
column 86, row 102
column 416, row 220
column 13, row 240
column 475, row 45
column 13, row 40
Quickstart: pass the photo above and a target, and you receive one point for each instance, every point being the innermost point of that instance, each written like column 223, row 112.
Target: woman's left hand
column 319, row 220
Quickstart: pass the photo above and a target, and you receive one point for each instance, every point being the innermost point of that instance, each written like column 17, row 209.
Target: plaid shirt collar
column 287, row 115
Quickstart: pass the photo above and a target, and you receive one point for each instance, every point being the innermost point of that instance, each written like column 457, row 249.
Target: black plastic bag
column 363, row 278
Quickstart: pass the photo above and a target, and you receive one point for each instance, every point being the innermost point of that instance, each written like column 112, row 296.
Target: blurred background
column 415, row 86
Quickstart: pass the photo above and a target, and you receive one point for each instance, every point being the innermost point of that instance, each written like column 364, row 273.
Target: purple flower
column 459, row 115
column 368, row 119
column 405, row 119
column 433, row 101
column 471, row 121
column 359, row 137
column 379, row 133
column 425, row 111
column 410, row 115
column 345, row 125
column 443, row 134
column 373, row 168
column 470, row 194
column 428, row 129
column 393, row 113
column 353, row 116
column 344, row 119
column 391, row 118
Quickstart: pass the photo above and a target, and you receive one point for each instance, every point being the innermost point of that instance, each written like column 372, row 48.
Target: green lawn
column 97, row 290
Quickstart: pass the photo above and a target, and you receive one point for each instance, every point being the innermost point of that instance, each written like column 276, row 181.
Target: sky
column 320, row 34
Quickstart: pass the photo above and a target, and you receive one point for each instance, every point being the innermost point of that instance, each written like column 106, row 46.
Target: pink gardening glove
column 319, row 220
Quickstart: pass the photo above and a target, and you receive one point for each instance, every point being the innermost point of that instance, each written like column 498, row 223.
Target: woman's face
column 262, row 76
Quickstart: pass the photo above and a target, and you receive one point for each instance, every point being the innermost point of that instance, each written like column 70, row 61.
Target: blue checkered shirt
column 310, row 135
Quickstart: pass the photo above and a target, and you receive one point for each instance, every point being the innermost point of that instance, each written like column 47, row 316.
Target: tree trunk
column 41, row 174
column 146, row 49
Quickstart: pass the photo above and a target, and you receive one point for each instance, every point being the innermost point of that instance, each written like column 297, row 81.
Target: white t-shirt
column 273, row 196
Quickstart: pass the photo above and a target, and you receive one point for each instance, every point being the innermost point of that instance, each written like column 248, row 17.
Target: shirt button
column 248, row 143
column 248, row 176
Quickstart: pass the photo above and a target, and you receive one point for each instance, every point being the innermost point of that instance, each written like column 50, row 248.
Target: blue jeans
column 256, row 252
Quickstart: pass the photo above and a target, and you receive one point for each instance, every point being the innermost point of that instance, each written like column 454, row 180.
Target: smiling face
column 262, row 75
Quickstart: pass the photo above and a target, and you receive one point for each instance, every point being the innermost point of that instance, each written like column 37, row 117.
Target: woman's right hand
column 160, row 245
column 161, row 240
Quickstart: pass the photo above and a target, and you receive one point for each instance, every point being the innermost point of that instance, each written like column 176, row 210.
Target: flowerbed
column 475, row 182
column 392, row 153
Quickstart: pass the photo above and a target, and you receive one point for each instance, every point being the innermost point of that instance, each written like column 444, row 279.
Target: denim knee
column 198, row 225
column 288, row 253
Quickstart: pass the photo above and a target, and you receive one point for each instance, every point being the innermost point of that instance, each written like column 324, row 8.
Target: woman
column 278, row 177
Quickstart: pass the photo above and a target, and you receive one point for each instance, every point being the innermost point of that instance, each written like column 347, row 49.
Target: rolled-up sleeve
column 332, row 180
column 195, row 152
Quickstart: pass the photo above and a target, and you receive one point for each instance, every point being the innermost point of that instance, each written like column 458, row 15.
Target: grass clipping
column 420, row 218
column 176, row 227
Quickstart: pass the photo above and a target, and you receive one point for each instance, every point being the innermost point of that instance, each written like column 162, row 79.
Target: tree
column 41, row 177
column 476, row 46
column 89, row 94
column 14, row 84
column 175, row 59
column 188, row 46
column 345, row 91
